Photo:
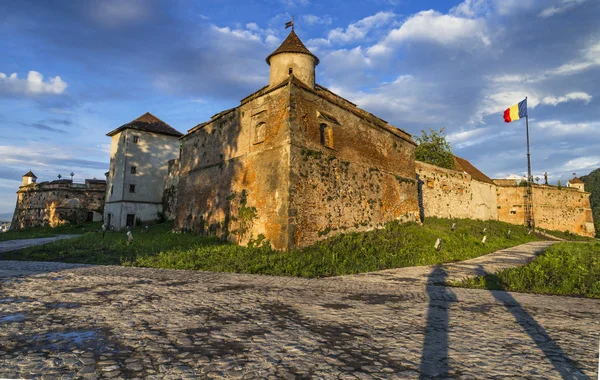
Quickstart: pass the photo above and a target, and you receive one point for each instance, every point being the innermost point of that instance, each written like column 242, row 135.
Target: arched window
column 260, row 131
column 326, row 135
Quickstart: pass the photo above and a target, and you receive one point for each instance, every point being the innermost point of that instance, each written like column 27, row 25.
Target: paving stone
column 281, row 326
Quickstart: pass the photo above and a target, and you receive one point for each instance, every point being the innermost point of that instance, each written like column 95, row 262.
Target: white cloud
column 557, row 127
column 471, row 8
column 553, row 100
column 358, row 31
column 314, row 19
column 33, row 85
column 445, row 29
column 433, row 26
column 590, row 57
column 563, row 6
column 238, row 33
column 497, row 102
column 115, row 13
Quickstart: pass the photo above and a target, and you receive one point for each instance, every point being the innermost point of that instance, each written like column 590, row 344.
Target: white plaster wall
column 150, row 156
column 303, row 66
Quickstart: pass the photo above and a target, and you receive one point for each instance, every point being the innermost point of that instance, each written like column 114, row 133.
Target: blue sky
column 71, row 71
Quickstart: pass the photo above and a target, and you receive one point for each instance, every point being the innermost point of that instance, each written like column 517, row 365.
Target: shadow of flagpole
column 553, row 352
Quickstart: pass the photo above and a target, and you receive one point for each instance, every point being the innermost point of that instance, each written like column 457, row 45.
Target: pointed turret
column 292, row 58
column 28, row 178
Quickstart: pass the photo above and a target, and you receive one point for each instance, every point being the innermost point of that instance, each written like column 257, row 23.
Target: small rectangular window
column 136, row 139
column 290, row 71
column 111, row 189
column 132, row 188
column 133, row 169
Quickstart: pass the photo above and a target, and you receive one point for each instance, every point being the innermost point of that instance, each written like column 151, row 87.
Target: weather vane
column 290, row 23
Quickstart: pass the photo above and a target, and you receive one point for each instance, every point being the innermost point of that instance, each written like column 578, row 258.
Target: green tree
column 434, row 149
column 559, row 185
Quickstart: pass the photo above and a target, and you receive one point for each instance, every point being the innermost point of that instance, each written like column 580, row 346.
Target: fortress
column 57, row 202
column 295, row 163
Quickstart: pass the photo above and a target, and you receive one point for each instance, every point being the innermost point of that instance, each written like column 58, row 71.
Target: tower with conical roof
column 28, row 178
column 292, row 58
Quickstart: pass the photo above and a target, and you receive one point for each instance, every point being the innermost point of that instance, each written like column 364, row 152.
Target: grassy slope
column 568, row 235
column 565, row 269
column 40, row 232
column 398, row 245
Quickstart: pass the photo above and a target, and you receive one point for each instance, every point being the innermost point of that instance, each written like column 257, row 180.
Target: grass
column 41, row 232
column 567, row 235
column 571, row 269
column 397, row 245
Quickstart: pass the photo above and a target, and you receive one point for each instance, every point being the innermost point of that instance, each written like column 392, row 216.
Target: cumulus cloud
column 433, row 26
column 358, row 31
column 33, row 85
column 116, row 13
column 554, row 100
column 314, row 19
column 561, row 7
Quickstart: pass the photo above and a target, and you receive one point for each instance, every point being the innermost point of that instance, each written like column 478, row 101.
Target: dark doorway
column 130, row 220
column 90, row 216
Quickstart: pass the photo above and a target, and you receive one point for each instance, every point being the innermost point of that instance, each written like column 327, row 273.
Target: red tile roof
column 292, row 44
column 463, row 165
column 149, row 123
column 575, row 180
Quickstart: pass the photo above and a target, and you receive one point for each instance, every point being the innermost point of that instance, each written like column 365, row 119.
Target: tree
column 434, row 149
column 559, row 185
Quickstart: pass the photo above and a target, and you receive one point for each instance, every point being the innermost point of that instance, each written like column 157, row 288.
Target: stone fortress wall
column 358, row 179
column 455, row 194
column 58, row 202
column 565, row 209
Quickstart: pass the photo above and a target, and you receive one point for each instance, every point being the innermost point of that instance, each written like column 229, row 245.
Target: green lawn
column 566, row 268
column 568, row 235
column 398, row 245
column 40, row 232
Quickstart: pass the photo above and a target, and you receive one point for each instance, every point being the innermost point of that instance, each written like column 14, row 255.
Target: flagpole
column 530, row 221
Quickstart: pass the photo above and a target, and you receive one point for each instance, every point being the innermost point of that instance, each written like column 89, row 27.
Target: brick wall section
column 365, row 179
column 452, row 194
column 563, row 210
column 234, row 173
column 54, row 204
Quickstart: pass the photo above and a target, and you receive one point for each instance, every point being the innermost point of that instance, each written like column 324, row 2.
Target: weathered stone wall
column 452, row 194
column 234, row 172
column 54, row 204
column 171, row 189
column 562, row 210
column 361, row 179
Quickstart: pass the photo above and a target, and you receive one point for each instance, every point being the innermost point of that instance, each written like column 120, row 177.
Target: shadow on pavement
column 553, row 352
column 434, row 359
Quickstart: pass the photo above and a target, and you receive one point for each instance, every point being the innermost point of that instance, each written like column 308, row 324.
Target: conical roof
column 150, row 123
column 30, row 174
column 292, row 44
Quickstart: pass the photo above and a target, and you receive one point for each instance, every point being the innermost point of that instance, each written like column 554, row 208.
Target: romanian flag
column 516, row 112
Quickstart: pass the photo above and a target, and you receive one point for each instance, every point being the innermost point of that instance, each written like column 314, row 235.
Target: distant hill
column 6, row 217
column 592, row 185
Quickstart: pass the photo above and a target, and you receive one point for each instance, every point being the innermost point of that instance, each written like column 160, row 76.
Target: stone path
column 431, row 274
column 13, row 245
column 75, row 321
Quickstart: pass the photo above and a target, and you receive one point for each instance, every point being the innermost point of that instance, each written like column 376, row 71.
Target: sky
column 71, row 71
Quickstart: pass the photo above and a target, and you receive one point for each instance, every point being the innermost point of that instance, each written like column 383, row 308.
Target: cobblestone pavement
column 13, row 245
column 491, row 263
column 74, row 321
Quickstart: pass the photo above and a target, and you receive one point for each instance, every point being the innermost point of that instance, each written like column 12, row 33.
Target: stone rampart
column 565, row 209
column 452, row 194
column 58, row 202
